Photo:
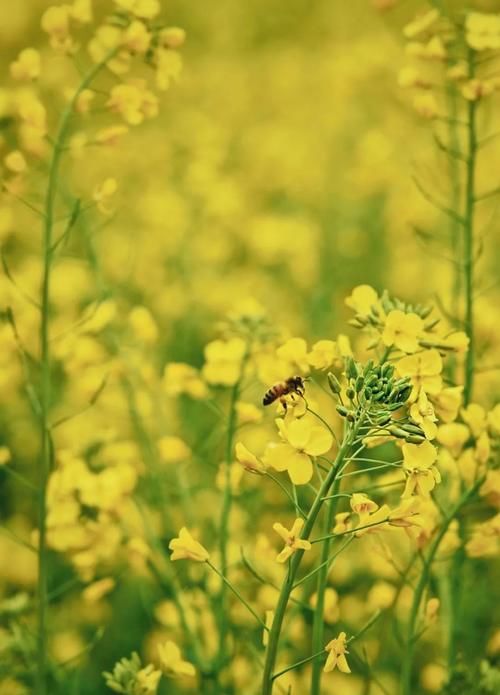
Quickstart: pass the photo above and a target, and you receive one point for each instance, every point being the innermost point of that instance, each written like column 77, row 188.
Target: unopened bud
column 334, row 383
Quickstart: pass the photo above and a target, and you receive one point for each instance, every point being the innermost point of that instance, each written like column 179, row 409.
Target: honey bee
column 295, row 384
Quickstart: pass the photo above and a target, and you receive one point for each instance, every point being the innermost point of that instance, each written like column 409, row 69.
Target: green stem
column 237, row 594
column 318, row 620
column 47, row 453
column 227, row 502
column 406, row 671
column 468, row 242
column 294, row 564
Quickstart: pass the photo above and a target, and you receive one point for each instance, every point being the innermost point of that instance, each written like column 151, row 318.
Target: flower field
column 250, row 347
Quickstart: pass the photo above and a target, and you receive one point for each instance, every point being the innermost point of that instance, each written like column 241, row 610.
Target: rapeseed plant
column 180, row 536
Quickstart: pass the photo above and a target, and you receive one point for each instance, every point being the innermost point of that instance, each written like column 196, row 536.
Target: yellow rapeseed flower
column 27, row 66
column 482, row 31
column 303, row 439
column 362, row 298
column 424, row 370
column 292, row 542
column 402, row 331
column 223, row 361
column 337, row 649
column 248, row 460
column 423, row 414
column 184, row 547
column 418, row 463
column 171, row 661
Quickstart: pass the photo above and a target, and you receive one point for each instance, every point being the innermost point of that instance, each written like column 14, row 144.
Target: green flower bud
column 334, row 383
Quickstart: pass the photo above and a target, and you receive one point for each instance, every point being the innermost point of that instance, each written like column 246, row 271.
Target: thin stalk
column 227, row 502
column 47, row 453
column 406, row 672
column 468, row 288
column 468, row 240
column 238, row 595
column 294, row 563
column 318, row 620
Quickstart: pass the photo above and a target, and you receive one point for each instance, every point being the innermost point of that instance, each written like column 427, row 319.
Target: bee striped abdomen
column 273, row 393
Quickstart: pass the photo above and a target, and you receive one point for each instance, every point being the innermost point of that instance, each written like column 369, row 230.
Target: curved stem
column 47, row 453
column 287, row 586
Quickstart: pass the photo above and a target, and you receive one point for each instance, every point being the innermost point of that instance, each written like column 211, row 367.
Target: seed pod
column 413, row 429
column 383, row 419
column 359, row 384
column 334, row 383
column 342, row 410
column 398, row 432
column 414, row 439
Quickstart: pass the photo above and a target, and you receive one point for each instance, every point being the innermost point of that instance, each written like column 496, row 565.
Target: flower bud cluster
column 376, row 390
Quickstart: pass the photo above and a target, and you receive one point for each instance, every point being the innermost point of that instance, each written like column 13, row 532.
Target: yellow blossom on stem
column 342, row 522
column 402, row 330
column 292, row 542
column 133, row 101
column 248, row 460
column 328, row 353
column 424, row 370
column 223, row 361
column 27, row 66
column 447, row 403
column 422, row 413
column 482, row 31
column 403, row 515
column 172, row 37
column 362, row 299
column 171, row 661
column 337, row 649
column 55, row 22
column 418, row 463
column 368, row 512
column 473, row 90
column 186, row 548
column 181, row 378
column 474, row 416
column 303, row 438
column 136, row 38
column 168, row 67
column 453, row 436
